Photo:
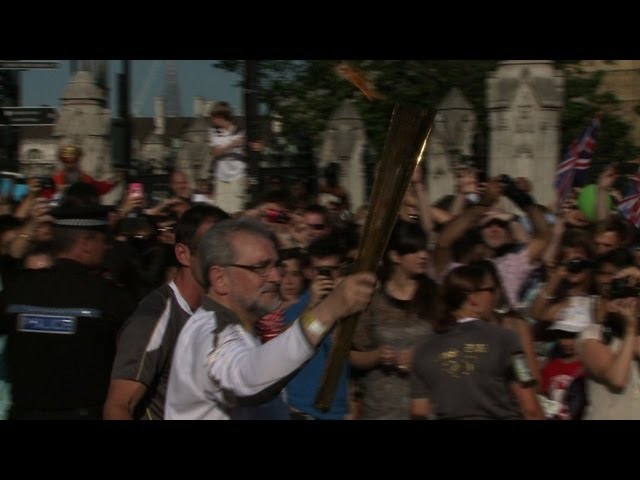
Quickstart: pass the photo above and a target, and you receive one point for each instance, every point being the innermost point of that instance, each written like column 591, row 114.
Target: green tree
column 306, row 92
column 584, row 98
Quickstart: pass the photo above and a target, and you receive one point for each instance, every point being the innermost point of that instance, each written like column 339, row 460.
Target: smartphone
column 136, row 190
column 324, row 272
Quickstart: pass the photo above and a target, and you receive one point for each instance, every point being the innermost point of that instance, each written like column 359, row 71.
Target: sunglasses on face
column 577, row 265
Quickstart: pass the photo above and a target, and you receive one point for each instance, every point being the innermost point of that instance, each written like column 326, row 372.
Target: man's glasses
column 263, row 269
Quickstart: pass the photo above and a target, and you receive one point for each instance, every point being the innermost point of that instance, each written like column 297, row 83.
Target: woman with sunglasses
column 610, row 353
column 396, row 321
column 471, row 369
column 570, row 291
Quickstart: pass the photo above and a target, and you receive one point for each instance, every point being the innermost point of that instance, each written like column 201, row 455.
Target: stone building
column 344, row 142
column 158, row 144
column 524, row 103
column 85, row 121
column 450, row 143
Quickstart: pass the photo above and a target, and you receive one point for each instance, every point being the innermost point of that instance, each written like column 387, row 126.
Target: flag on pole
column 572, row 170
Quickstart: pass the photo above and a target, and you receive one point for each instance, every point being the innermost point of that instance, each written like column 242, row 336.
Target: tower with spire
column 172, row 92
column 99, row 71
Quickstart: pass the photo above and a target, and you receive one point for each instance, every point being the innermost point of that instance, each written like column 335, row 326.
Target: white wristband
column 314, row 326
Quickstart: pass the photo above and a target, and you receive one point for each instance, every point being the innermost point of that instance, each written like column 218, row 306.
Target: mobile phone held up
column 277, row 216
column 136, row 190
column 325, row 272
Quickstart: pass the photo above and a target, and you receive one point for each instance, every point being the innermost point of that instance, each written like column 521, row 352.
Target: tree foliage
column 306, row 92
column 583, row 100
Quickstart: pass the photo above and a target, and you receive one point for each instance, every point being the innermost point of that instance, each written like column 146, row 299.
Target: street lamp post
column 9, row 97
column 121, row 126
column 252, row 126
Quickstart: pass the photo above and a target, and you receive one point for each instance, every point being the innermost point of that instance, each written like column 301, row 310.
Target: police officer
column 62, row 324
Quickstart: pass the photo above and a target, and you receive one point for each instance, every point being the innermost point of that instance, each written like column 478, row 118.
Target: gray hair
column 216, row 247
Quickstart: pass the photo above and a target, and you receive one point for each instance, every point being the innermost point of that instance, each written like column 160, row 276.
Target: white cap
column 576, row 317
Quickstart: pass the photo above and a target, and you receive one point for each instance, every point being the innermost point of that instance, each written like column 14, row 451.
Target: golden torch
column 404, row 146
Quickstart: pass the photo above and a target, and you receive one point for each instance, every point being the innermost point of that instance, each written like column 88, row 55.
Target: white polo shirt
column 207, row 373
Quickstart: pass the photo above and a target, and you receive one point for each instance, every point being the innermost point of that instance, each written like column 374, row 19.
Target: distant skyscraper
column 99, row 70
column 172, row 92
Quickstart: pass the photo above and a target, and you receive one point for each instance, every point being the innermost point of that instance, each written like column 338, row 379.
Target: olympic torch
column 404, row 146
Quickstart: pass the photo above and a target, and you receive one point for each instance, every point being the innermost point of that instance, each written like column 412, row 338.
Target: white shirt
column 203, row 379
column 229, row 167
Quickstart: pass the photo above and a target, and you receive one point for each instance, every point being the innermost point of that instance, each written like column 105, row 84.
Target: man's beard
column 258, row 308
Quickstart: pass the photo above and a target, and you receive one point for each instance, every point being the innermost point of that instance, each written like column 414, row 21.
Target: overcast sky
column 195, row 78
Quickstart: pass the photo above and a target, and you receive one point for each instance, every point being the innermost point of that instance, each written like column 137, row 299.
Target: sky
column 195, row 78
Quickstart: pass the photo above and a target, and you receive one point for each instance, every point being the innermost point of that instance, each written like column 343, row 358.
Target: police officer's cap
column 90, row 217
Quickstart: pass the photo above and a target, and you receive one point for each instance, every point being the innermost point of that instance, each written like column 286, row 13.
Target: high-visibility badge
column 36, row 323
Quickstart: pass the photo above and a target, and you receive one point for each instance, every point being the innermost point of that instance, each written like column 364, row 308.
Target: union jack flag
column 572, row 171
column 630, row 206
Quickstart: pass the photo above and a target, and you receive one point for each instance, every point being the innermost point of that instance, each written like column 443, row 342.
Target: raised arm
column 541, row 233
column 610, row 367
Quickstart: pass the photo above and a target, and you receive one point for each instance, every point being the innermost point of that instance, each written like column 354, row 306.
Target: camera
column 277, row 216
column 579, row 264
column 324, row 272
column 510, row 190
column 622, row 288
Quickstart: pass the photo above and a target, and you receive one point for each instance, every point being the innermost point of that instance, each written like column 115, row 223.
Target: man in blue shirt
column 325, row 262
